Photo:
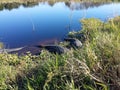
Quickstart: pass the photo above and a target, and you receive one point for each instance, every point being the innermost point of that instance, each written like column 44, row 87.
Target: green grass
column 95, row 66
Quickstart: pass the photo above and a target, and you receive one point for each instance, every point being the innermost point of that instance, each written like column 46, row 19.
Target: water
column 48, row 23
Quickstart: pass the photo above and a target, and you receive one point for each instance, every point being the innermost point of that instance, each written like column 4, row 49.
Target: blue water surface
column 48, row 24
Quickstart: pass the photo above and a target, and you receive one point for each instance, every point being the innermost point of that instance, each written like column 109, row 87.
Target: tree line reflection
column 73, row 5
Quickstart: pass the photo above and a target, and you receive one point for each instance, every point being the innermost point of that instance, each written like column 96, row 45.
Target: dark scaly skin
column 56, row 49
column 74, row 42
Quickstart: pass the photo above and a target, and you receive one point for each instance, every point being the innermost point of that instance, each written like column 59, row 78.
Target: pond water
column 48, row 23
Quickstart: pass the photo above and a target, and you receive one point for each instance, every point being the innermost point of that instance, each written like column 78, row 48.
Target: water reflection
column 83, row 5
column 71, row 4
column 47, row 21
column 10, row 6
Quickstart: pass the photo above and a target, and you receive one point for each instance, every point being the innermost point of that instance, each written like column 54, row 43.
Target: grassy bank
column 95, row 66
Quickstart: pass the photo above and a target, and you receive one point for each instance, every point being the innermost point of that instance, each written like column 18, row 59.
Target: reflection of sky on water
column 25, row 26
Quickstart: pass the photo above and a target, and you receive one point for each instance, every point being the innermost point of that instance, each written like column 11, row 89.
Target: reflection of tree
column 83, row 5
column 1, row 7
column 30, row 4
column 11, row 6
column 72, row 4
column 51, row 3
column 67, row 4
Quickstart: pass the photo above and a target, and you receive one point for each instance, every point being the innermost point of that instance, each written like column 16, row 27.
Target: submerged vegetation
column 95, row 66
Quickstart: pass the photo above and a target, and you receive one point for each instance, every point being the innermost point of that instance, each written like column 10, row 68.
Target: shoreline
column 95, row 66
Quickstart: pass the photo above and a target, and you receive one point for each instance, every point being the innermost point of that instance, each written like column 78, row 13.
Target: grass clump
column 101, row 49
column 95, row 66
